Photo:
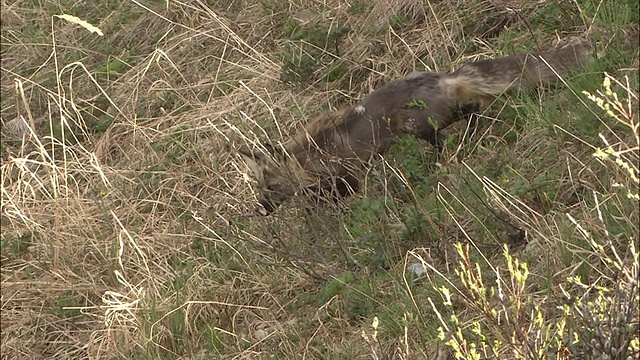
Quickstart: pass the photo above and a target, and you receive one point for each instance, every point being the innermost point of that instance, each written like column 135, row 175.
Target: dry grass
column 124, row 227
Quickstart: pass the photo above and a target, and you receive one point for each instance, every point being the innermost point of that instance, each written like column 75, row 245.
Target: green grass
column 124, row 218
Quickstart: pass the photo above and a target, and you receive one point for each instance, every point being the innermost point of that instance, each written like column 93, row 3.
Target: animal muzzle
column 265, row 207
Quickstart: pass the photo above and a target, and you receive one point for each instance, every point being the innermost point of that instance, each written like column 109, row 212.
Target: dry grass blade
column 126, row 227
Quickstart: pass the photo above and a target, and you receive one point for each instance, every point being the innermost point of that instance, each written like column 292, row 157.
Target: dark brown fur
column 324, row 158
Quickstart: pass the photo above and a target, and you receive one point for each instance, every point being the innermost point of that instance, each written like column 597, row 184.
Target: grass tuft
column 125, row 230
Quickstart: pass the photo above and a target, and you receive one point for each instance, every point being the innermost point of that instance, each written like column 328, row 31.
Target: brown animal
column 324, row 158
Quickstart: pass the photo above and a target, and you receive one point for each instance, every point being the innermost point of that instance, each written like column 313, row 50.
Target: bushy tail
column 484, row 79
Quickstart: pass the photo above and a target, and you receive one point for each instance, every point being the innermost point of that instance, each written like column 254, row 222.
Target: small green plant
column 434, row 124
column 358, row 300
column 416, row 104
column 400, row 20
column 553, row 16
column 336, row 71
column 313, row 48
column 336, row 286
column 19, row 245
column 415, row 162
column 358, row 7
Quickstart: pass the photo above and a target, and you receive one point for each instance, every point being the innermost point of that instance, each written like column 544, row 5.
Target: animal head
column 276, row 180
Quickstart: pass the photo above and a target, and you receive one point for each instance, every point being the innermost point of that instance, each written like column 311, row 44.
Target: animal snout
column 265, row 207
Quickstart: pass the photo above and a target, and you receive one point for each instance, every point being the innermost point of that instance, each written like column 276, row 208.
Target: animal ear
column 255, row 160
column 263, row 158
column 255, row 155
column 277, row 153
column 259, row 154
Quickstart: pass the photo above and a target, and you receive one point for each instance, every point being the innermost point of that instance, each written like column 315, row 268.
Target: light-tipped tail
column 487, row 78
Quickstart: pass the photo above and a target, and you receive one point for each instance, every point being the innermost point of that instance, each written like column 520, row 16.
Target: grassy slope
column 123, row 233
